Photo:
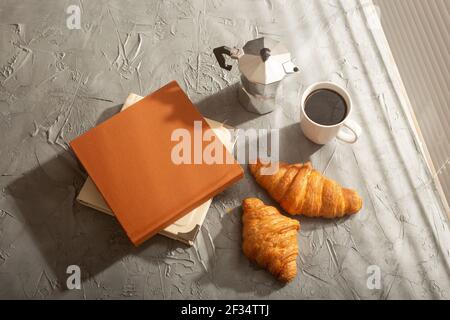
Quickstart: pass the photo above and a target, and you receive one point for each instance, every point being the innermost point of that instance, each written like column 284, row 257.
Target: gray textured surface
column 56, row 83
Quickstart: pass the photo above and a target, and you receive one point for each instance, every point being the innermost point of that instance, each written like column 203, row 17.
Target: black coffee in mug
column 326, row 107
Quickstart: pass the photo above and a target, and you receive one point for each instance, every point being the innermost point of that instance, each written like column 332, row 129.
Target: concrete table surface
column 56, row 83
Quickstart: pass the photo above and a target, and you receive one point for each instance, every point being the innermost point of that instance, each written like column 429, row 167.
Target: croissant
column 270, row 239
column 300, row 189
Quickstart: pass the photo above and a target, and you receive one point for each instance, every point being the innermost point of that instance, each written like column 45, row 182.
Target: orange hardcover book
column 130, row 159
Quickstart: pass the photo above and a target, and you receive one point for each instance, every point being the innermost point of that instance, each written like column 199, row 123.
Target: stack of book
column 132, row 172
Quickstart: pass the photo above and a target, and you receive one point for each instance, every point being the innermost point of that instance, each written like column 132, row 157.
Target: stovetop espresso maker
column 263, row 64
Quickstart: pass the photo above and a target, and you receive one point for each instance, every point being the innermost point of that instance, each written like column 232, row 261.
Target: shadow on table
column 66, row 232
column 232, row 269
column 108, row 113
column 224, row 106
column 294, row 146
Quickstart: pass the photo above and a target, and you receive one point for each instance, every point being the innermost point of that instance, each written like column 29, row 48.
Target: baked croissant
column 300, row 189
column 270, row 239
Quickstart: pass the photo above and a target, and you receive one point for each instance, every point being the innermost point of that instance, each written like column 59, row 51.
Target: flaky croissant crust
column 270, row 239
column 300, row 189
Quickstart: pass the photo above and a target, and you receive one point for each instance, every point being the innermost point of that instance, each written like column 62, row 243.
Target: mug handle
column 350, row 137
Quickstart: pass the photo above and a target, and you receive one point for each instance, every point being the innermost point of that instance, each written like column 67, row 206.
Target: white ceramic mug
column 321, row 134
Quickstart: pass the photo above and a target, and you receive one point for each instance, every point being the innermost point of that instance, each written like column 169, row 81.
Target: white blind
column 418, row 33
